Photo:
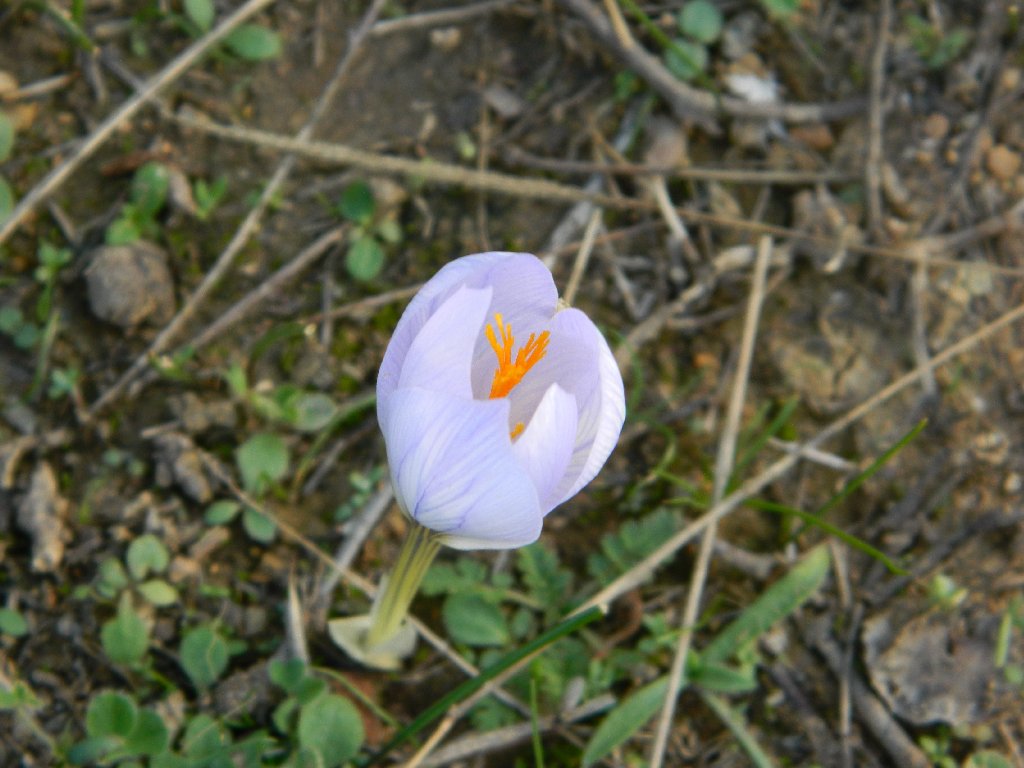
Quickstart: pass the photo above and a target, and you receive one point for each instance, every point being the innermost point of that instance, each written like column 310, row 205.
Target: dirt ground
column 871, row 153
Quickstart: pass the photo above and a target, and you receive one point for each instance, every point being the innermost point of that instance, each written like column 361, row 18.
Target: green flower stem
column 418, row 551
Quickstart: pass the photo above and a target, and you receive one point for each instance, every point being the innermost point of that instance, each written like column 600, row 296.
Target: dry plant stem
column 723, row 469
column 122, row 114
column 919, row 331
column 503, row 738
column 295, row 625
column 692, row 104
column 873, row 164
column 443, row 173
column 582, row 257
column 643, row 570
column 766, row 176
column 436, row 18
column 619, row 25
column 248, row 227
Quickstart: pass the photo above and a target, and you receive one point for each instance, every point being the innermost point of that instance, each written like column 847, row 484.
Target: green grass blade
column 734, row 722
column 832, row 530
column 471, row 686
column 876, row 465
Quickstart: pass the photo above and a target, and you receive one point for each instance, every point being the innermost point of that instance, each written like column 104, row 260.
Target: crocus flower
column 497, row 404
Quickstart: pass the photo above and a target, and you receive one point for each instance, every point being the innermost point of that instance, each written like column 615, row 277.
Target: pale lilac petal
column 580, row 362
column 440, row 356
column 603, row 416
column 523, row 290
column 454, row 472
column 546, row 445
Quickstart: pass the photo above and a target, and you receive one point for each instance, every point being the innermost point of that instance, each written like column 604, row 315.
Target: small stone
column 816, row 136
column 130, row 284
column 506, row 102
column 1002, row 162
column 41, row 516
column 1013, row 483
column 446, row 39
column 936, row 126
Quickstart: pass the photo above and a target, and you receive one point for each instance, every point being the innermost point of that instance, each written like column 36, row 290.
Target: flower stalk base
column 383, row 638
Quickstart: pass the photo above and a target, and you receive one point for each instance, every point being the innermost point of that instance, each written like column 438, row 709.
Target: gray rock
column 130, row 284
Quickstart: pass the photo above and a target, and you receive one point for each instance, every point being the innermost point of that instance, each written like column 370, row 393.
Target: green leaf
column 111, row 577
column 158, row 592
column 635, row 539
column 6, row 199
column 734, row 722
column 781, row 9
column 312, row 411
column 262, row 460
column 149, row 737
column 720, row 678
column 546, row 580
column 125, row 637
column 287, row 674
column 686, row 60
column 472, row 620
column 92, row 750
column 777, row 602
column 11, row 319
column 357, row 204
column 364, row 259
column 123, row 231
column 111, row 714
column 12, row 623
column 259, row 527
column 146, row 554
column 201, row 12
column 149, row 189
column 701, row 20
column 6, row 136
column 204, row 656
column 625, row 720
column 204, row 737
column 221, row 512
column 254, row 43
column 331, row 726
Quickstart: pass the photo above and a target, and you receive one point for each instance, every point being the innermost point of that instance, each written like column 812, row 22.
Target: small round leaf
column 125, row 637
column 364, row 259
column 262, row 460
column 111, row 714
column 204, row 656
column 331, row 726
column 146, row 554
column 254, row 43
column 701, row 20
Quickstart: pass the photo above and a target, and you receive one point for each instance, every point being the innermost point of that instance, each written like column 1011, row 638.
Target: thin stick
column 643, row 570
column 723, row 469
column 873, row 163
column 175, row 69
column 444, row 17
column 582, row 257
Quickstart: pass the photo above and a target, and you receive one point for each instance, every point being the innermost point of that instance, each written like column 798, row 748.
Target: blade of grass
column 876, row 465
column 832, row 530
column 751, row 450
column 734, row 722
column 471, row 686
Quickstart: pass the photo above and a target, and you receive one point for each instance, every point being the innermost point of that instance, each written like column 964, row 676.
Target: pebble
column 1002, row 162
column 130, row 284
column 41, row 515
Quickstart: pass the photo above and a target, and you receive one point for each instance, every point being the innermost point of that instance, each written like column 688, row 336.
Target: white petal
column 440, row 356
column 519, row 279
column 454, row 471
column 607, row 412
column 546, row 445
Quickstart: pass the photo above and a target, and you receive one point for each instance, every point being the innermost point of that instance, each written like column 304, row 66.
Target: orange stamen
column 510, row 372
